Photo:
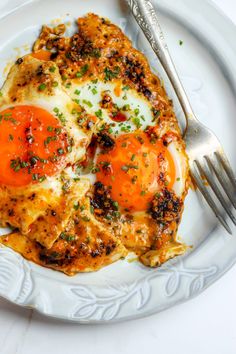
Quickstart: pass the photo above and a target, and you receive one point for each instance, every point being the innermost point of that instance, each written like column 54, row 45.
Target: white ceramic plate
column 207, row 65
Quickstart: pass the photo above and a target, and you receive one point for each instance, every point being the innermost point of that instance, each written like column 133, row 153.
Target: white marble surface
column 205, row 325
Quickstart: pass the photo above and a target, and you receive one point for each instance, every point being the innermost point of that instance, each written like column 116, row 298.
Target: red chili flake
column 119, row 117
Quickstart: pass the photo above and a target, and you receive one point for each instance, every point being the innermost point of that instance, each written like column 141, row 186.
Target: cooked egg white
column 134, row 106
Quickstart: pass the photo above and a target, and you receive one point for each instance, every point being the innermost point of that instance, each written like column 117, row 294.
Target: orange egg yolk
column 33, row 145
column 42, row 55
column 136, row 169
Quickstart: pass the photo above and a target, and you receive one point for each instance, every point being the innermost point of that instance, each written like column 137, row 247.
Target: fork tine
column 221, row 157
column 205, row 172
column 209, row 199
column 225, row 184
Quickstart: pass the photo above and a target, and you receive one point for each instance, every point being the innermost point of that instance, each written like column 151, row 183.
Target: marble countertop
column 203, row 325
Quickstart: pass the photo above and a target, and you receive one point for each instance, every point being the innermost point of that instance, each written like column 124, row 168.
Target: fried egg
column 119, row 143
column 139, row 166
column 40, row 139
column 141, row 153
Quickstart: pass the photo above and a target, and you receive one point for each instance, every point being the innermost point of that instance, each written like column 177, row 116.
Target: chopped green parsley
column 99, row 113
column 94, row 91
column 42, row 87
column 52, row 69
column 88, row 103
column 82, row 71
column 111, row 74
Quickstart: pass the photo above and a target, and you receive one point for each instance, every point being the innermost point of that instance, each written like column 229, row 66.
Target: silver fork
column 207, row 160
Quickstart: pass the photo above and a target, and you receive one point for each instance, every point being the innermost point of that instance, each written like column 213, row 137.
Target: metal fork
column 209, row 166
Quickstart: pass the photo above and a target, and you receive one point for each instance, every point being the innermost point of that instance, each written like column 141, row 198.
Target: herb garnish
column 42, row 87
column 82, row 71
column 109, row 74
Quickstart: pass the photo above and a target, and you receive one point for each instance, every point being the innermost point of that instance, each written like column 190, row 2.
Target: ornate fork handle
column 146, row 18
column 206, row 156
